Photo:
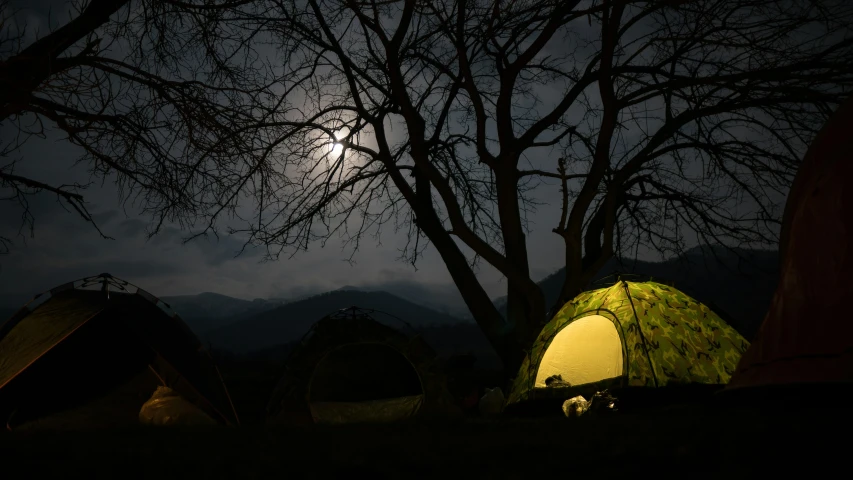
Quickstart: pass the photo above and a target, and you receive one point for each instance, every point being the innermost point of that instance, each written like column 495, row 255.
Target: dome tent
column 806, row 338
column 349, row 368
column 631, row 334
column 670, row 281
column 91, row 352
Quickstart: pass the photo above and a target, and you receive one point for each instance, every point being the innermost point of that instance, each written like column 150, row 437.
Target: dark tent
column 806, row 339
column 91, row 352
column 350, row 368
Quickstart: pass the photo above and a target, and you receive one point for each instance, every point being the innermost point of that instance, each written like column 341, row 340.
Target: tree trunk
column 526, row 316
column 487, row 316
column 525, row 307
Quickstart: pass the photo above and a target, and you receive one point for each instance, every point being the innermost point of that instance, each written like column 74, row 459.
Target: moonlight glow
column 336, row 148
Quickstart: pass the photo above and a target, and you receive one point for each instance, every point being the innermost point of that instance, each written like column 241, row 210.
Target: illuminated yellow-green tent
column 643, row 334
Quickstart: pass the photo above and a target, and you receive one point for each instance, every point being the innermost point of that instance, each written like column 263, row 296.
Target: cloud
column 34, row 274
column 65, row 247
column 103, row 219
column 217, row 251
column 132, row 227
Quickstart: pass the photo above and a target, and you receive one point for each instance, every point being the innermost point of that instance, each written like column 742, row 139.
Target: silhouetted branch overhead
column 150, row 94
column 666, row 118
column 445, row 119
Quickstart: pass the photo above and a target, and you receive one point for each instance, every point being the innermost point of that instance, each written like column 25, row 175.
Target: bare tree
column 658, row 119
column 157, row 93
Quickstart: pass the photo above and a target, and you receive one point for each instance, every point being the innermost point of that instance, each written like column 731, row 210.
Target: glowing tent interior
column 631, row 334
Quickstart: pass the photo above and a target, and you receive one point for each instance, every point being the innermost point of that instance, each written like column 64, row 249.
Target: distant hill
column 202, row 312
column 291, row 321
column 446, row 340
column 209, row 311
column 444, row 298
column 462, row 338
column 738, row 285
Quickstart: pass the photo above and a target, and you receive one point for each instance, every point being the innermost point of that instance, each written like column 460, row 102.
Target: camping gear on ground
column 603, row 402
column 466, row 383
column 575, row 406
column 600, row 403
column 90, row 353
column 492, row 402
column 166, row 407
column 350, row 368
column 556, row 381
column 632, row 334
column 806, row 339
column 461, row 381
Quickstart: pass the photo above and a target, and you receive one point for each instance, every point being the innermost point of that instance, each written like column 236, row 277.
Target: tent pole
column 642, row 335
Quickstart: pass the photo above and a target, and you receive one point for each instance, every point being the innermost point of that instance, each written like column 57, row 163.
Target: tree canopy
column 658, row 119
column 662, row 123
column 149, row 90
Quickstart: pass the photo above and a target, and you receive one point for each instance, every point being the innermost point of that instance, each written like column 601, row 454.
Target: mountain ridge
column 209, row 310
column 740, row 292
column 290, row 321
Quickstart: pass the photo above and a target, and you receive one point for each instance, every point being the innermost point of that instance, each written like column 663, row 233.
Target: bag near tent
column 351, row 369
column 166, row 407
column 631, row 334
column 78, row 357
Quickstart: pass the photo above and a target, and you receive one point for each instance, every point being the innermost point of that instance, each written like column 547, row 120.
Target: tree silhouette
column 657, row 119
column 149, row 89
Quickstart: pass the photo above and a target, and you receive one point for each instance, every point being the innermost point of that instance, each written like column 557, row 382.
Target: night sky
column 64, row 247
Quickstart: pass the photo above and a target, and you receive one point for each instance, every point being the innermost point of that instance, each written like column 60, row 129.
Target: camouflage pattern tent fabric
column 666, row 338
column 350, row 368
column 807, row 337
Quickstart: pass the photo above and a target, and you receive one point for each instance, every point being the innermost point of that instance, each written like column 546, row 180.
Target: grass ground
column 808, row 434
column 699, row 441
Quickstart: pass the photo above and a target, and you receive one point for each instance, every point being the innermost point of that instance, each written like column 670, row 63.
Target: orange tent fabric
column 807, row 335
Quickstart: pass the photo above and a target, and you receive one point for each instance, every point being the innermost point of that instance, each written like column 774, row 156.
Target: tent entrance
column 98, row 376
column 367, row 382
column 586, row 350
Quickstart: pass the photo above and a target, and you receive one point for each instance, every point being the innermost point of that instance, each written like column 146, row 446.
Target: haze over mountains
column 738, row 285
column 291, row 321
column 208, row 311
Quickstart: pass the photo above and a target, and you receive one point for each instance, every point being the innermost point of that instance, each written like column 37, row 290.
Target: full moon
column 336, row 148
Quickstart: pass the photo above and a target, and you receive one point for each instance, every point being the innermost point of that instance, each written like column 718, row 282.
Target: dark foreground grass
column 699, row 441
